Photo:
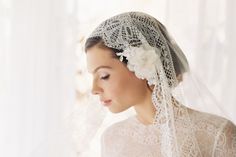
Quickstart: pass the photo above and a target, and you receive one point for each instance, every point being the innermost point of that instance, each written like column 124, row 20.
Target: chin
column 117, row 110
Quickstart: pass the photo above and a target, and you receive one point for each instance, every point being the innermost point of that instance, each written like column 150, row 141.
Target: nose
column 96, row 89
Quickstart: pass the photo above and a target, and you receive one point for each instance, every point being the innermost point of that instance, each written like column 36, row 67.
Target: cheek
column 128, row 89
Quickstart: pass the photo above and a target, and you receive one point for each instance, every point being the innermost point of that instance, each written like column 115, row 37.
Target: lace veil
column 150, row 52
column 144, row 45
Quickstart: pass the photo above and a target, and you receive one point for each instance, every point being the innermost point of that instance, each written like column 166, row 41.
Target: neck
column 146, row 110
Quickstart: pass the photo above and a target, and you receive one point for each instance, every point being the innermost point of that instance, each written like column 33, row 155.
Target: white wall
column 37, row 74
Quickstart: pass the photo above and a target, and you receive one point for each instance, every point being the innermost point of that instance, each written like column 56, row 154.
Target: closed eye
column 105, row 77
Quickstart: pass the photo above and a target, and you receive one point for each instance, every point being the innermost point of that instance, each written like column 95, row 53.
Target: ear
column 150, row 88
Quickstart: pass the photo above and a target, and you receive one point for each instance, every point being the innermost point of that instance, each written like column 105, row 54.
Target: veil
column 179, row 97
column 152, row 54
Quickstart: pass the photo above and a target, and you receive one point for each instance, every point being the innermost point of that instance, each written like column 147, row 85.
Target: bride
column 135, row 63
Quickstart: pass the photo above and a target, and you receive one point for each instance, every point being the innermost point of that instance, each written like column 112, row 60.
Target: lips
column 106, row 102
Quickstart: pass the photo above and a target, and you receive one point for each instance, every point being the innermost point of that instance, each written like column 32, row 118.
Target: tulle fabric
column 188, row 121
column 182, row 126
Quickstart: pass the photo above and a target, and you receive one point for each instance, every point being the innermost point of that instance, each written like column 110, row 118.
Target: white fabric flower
column 143, row 61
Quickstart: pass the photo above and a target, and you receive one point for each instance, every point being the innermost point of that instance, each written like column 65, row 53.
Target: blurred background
column 42, row 59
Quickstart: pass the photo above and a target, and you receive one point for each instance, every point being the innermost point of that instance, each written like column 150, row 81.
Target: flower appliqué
column 143, row 61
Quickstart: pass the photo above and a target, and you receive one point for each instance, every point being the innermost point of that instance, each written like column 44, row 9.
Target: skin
column 113, row 81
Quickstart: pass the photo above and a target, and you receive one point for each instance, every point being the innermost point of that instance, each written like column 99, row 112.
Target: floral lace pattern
column 138, row 31
column 214, row 137
column 143, row 61
column 176, row 131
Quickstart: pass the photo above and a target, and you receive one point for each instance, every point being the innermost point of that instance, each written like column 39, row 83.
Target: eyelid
column 104, row 77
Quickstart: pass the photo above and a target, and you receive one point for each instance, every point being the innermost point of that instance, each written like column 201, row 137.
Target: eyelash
column 105, row 77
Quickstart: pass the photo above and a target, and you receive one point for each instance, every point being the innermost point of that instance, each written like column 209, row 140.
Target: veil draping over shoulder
column 178, row 95
column 184, row 124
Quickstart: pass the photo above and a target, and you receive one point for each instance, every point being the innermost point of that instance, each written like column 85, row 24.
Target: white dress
column 214, row 136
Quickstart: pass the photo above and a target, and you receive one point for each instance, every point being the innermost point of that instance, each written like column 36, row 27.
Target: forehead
column 97, row 56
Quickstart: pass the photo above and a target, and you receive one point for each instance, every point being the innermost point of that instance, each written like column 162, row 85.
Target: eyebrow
column 102, row 66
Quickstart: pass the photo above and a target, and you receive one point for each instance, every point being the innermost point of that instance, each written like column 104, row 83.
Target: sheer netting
column 177, row 130
column 212, row 136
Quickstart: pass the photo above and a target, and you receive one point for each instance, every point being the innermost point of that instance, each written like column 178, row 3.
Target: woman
column 136, row 64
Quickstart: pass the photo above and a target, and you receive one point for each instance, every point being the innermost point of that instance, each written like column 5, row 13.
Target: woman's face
column 117, row 87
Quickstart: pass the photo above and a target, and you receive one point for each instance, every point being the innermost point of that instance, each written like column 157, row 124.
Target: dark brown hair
column 98, row 41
